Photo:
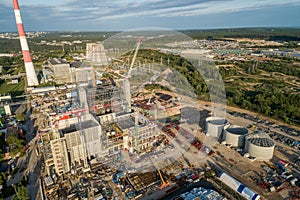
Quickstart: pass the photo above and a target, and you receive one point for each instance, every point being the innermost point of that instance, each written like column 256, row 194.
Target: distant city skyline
column 119, row 15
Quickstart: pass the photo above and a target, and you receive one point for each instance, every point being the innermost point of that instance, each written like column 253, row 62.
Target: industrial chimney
column 30, row 73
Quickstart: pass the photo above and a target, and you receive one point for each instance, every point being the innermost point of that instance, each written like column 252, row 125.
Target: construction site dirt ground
column 242, row 168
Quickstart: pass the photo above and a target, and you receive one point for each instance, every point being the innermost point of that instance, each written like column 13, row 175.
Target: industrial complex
column 107, row 127
column 96, row 128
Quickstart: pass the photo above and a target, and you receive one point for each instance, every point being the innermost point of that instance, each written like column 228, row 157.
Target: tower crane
column 127, row 93
column 136, row 114
column 126, row 83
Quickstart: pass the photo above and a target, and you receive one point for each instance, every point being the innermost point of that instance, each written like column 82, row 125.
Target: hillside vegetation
column 271, row 89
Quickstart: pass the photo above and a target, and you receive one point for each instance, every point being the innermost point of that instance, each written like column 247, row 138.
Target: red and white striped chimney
column 30, row 73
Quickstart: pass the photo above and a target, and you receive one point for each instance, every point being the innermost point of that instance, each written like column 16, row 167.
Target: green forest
column 269, row 96
column 280, row 34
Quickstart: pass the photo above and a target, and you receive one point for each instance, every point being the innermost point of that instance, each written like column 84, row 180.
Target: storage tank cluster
column 235, row 135
column 214, row 126
column 259, row 145
column 237, row 186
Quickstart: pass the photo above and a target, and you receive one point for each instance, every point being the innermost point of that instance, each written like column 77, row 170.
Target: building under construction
column 79, row 135
column 144, row 181
column 108, row 98
column 100, row 124
column 84, row 74
column 61, row 70
column 74, row 142
column 127, row 132
column 140, row 139
column 95, row 53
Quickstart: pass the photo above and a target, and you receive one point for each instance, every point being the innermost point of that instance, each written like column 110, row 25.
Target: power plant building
column 77, row 139
column 235, row 135
column 61, row 70
column 95, row 53
column 81, row 137
column 57, row 156
column 260, row 146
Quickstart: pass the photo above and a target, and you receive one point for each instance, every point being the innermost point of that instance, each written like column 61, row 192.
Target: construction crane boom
column 163, row 182
column 134, row 56
column 137, row 146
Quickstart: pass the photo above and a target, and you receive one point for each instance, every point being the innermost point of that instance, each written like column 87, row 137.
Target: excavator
column 164, row 183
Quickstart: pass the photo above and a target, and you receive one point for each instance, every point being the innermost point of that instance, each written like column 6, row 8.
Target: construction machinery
column 149, row 101
column 164, row 183
column 1, row 125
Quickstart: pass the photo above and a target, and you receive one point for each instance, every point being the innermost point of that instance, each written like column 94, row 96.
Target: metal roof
column 260, row 138
column 126, row 123
column 263, row 142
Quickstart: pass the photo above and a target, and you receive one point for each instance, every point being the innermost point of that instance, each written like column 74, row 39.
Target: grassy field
column 13, row 89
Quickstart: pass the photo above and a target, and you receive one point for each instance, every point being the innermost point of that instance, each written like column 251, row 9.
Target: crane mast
column 136, row 128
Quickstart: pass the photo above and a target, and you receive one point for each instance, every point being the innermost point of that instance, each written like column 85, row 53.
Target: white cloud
column 117, row 9
column 114, row 9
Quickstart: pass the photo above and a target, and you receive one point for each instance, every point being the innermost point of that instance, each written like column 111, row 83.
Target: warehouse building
column 238, row 187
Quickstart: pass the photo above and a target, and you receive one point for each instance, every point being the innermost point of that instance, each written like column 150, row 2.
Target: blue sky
column 102, row 15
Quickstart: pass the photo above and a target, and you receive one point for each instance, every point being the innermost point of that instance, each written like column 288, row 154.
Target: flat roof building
column 78, row 139
column 61, row 70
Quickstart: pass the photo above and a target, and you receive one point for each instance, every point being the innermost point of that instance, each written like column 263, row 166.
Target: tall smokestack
column 30, row 73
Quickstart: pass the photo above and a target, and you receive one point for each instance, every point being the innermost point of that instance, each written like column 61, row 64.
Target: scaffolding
column 108, row 99
column 144, row 181
column 96, row 54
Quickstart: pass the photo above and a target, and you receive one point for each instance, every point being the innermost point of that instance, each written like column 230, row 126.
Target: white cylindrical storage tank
column 235, row 135
column 214, row 126
column 260, row 146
